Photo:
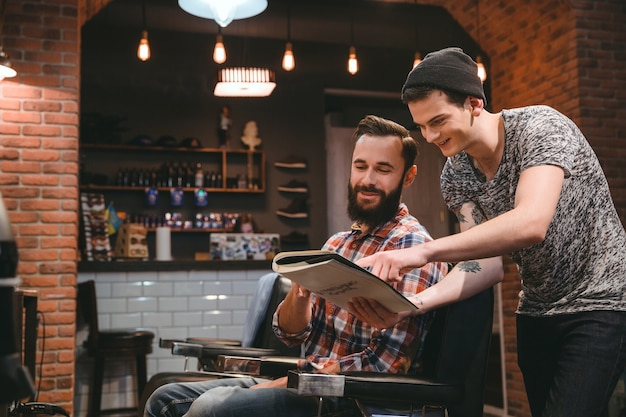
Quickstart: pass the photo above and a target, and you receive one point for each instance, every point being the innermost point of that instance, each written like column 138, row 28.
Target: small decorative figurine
column 223, row 129
column 250, row 135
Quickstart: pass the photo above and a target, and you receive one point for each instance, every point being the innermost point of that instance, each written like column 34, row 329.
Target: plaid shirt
column 334, row 335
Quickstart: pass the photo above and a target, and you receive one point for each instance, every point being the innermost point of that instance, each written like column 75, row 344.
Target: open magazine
column 337, row 279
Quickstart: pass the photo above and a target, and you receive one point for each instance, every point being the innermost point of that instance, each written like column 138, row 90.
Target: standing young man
column 523, row 182
column 383, row 164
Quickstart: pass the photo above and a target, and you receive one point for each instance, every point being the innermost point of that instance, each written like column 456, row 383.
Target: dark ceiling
column 371, row 23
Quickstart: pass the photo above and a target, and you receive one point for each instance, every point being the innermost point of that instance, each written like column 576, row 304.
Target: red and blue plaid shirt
column 335, row 335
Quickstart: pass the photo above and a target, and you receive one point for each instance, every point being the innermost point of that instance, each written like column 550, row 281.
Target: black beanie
column 448, row 69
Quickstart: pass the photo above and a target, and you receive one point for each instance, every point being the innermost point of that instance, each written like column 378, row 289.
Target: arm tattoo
column 460, row 216
column 469, row 266
column 477, row 215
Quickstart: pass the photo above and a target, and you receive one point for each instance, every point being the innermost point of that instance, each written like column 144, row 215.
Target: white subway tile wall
column 172, row 304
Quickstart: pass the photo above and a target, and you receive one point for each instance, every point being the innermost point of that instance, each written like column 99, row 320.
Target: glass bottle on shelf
column 199, row 177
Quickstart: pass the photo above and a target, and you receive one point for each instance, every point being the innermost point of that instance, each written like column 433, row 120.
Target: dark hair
column 242, row 219
column 424, row 91
column 378, row 126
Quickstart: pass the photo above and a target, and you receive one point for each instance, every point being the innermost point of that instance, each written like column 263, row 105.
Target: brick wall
column 38, row 171
column 565, row 53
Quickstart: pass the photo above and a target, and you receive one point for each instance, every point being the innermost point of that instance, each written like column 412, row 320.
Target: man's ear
column 409, row 176
column 476, row 105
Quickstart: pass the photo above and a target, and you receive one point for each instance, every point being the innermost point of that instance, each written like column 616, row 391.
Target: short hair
column 378, row 126
column 421, row 92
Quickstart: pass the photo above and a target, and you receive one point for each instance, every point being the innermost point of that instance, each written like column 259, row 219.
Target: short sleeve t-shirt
column 581, row 264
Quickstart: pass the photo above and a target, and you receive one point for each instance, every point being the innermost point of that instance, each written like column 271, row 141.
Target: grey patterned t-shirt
column 581, row 264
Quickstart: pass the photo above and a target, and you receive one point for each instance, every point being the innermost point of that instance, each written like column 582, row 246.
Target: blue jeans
column 571, row 363
column 230, row 397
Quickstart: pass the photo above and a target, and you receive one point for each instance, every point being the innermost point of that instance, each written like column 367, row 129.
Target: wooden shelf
column 187, row 189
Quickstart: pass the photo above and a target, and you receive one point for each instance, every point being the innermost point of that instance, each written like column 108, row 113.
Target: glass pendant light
column 6, row 69
column 289, row 62
column 143, row 50
column 417, row 59
column 353, row 63
column 223, row 11
column 482, row 71
column 219, row 52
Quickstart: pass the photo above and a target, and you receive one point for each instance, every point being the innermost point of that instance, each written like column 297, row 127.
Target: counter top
column 175, row 265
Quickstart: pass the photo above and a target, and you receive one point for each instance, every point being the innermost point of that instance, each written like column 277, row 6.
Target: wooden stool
column 114, row 343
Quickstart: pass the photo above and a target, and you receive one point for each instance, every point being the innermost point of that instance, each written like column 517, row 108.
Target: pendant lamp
column 219, row 52
column 6, row 69
column 289, row 62
column 223, row 11
column 482, row 71
column 245, row 82
column 143, row 50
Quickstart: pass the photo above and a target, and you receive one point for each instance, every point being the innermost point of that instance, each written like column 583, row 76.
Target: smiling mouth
column 443, row 142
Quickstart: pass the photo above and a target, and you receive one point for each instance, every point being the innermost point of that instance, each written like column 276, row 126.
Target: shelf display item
column 294, row 186
column 291, row 161
column 131, row 241
column 95, row 227
column 298, row 209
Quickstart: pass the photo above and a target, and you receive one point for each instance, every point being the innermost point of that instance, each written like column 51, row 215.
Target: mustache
column 368, row 189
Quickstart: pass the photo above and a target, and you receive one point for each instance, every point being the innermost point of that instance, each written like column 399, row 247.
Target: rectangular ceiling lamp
column 245, row 82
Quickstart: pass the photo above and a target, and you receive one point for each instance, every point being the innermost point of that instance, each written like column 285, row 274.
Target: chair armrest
column 212, row 352
column 204, row 341
column 319, row 385
column 272, row 366
column 374, row 386
column 167, row 343
column 187, row 349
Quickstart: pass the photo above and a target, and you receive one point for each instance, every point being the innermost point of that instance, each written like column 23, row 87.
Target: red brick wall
column 38, row 171
column 565, row 53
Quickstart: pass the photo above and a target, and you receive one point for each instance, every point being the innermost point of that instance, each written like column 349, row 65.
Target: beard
column 384, row 211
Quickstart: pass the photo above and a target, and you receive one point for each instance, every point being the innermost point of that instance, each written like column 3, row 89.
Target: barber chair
column 258, row 340
column 451, row 380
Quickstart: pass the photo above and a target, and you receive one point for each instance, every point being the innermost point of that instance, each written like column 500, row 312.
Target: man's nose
column 369, row 177
column 430, row 134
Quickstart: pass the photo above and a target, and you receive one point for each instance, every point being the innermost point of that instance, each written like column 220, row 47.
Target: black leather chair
column 453, row 375
column 134, row 344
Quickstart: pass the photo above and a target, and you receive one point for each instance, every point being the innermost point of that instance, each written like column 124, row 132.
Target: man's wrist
column 419, row 303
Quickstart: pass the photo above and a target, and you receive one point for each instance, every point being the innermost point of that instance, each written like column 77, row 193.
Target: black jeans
column 571, row 363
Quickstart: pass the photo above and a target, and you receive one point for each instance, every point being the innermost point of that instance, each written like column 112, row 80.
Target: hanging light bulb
column 289, row 62
column 353, row 64
column 417, row 59
column 143, row 51
column 219, row 52
column 482, row 71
